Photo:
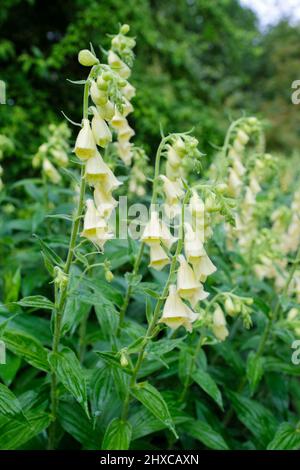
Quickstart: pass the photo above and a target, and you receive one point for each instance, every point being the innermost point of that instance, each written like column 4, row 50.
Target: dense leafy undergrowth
column 177, row 332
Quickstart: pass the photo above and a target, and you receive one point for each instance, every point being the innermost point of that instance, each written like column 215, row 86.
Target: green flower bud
column 124, row 29
column 123, row 360
column 87, row 58
column 230, row 307
column 109, row 276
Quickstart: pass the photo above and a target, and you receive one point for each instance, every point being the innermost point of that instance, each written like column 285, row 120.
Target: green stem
column 190, row 370
column 61, row 295
column 156, row 314
column 138, row 260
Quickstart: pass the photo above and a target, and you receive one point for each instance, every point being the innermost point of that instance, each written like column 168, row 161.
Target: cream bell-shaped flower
column 118, row 121
column 173, row 158
column 187, row 285
column 100, row 129
column 92, row 221
column 104, row 200
column 166, row 237
column 196, row 205
column 99, row 97
column 152, row 232
column 106, row 111
column 176, row 313
column 50, row 171
column 203, row 267
column 219, row 324
column 193, row 245
column 127, row 107
column 128, row 91
column 158, row 257
column 125, row 152
column 172, row 189
column 96, row 171
column 95, row 227
column 234, row 183
column 118, row 65
column 238, row 167
column 125, row 132
column 85, row 146
column 254, row 185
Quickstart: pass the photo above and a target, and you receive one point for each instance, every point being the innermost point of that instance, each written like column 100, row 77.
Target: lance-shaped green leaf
column 117, row 435
column 68, row 369
column 9, row 404
column 150, row 397
column 36, row 301
column 205, row 381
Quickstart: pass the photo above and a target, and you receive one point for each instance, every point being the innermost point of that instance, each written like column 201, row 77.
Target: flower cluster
column 110, row 93
column 120, row 58
column 53, row 152
column 194, row 264
column 139, row 172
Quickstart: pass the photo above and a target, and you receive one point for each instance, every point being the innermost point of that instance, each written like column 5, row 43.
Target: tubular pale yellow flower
column 127, row 107
column 234, row 183
column 203, row 267
column 100, row 129
column 104, row 200
column 50, row 171
column 85, row 146
column 118, row 121
column 106, row 111
column 128, row 91
column 239, row 167
column 254, row 185
column 87, row 58
column 196, row 205
column 124, row 152
column 173, row 158
column 230, row 307
column 125, row 133
column 238, row 146
column 95, row 227
column 219, row 324
column 92, row 221
column 167, row 238
column 176, row 313
column 172, row 189
column 158, row 257
column 118, row 65
column 193, row 246
column 187, row 285
column 242, row 137
column 96, row 171
column 152, row 231
column 99, row 97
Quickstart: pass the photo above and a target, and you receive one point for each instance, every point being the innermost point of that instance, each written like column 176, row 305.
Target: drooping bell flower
column 172, row 189
column 158, row 257
column 95, row 226
column 104, row 200
column 193, row 245
column 50, row 171
column 85, row 146
column 152, row 232
column 176, row 313
column 203, row 267
column 187, row 285
column 100, row 129
column 219, row 324
column 167, row 238
column 96, row 171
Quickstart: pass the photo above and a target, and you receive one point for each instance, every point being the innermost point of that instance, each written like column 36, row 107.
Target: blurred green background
column 198, row 63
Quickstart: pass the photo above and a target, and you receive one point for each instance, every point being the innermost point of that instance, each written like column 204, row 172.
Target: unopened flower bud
column 124, row 29
column 87, row 58
column 109, row 276
column 123, row 360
